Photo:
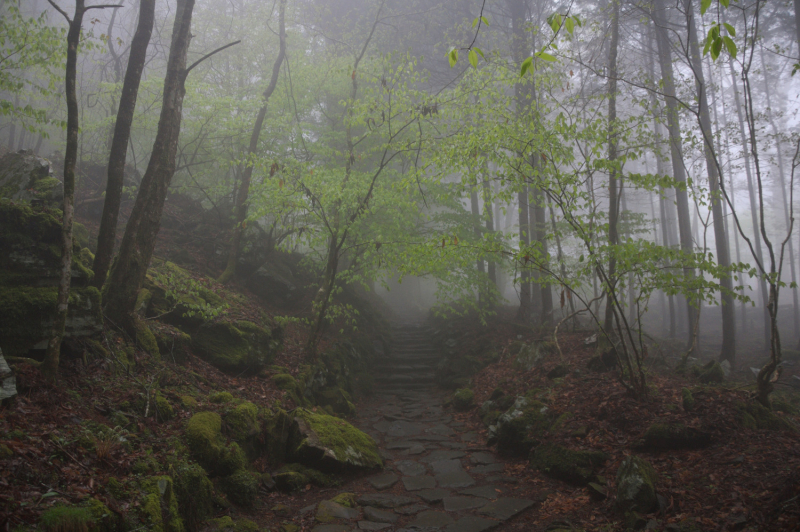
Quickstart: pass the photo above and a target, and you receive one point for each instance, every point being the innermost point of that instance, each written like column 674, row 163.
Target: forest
column 460, row 265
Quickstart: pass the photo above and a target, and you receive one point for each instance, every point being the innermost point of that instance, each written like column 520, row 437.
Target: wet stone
column 431, row 519
column 457, row 504
column 458, row 479
column 331, row 528
column 442, row 455
column 399, row 445
column 419, row 483
column 440, row 430
column 329, row 510
column 447, row 466
column 433, row 496
column 482, row 458
column 410, row 510
column 385, row 481
column 487, row 492
column 369, row 525
column 416, row 449
column 410, row 468
column 431, row 437
column 469, row 436
column 379, row 516
column 472, row 524
column 404, row 429
column 385, row 500
column 486, row 469
column 454, row 445
column 505, row 508
column 503, row 478
column 382, row 426
column 307, row 509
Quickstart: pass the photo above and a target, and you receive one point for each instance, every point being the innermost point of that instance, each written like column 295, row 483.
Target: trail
column 437, row 474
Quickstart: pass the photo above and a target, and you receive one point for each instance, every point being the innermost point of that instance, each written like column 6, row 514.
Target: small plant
column 107, row 441
column 188, row 293
column 66, row 519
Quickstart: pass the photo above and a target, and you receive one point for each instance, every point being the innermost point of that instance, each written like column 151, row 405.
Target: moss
column 711, row 373
column 5, row 452
column 163, row 408
column 220, row 397
column 242, row 423
column 146, row 339
column 784, row 406
column 463, row 399
column 754, row 415
column 194, row 492
column 188, row 402
column 346, row 443
column 290, row 481
column 348, row 500
column 204, row 437
column 278, row 428
column 145, row 466
column 173, row 344
column 688, row 399
column 566, row 464
column 66, row 519
column 522, row 426
column 284, row 381
column 160, row 505
column 104, row 519
column 115, row 487
column 337, row 399
column 242, row 487
column 226, row 524
column 235, row 347
column 142, row 301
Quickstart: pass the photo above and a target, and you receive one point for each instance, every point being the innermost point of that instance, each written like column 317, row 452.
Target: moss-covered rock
column 318, row 478
column 66, row 519
column 163, row 408
column 235, row 347
column 532, row 356
column 279, row 429
column 337, row 399
column 241, row 487
column 290, row 481
column 674, row 436
column 226, row 524
column 103, row 518
column 287, row 383
column 687, row 399
column 328, row 442
column 711, row 373
column 195, row 494
column 204, row 437
column 754, row 415
column 521, row 426
column 160, row 505
column 146, row 339
column 173, row 344
column 566, row 464
column 562, row 370
column 242, row 422
column 188, row 402
column 346, row 499
column 463, row 399
column 26, row 177
column 636, row 490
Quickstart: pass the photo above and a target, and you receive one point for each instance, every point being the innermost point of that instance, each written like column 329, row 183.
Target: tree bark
column 488, row 212
column 728, row 351
column 138, row 242
column 674, row 129
column 613, row 197
column 119, row 143
column 52, row 355
column 247, row 175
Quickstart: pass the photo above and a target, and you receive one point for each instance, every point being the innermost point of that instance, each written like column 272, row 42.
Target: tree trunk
column 244, row 188
column 13, row 128
column 488, row 212
column 674, row 129
column 51, row 359
column 139, row 240
column 540, row 234
column 119, row 143
column 728, row 351
column 613, row 196
column 762, row 284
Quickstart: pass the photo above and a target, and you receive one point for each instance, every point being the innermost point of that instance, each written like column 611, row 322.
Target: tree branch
column 186, row 73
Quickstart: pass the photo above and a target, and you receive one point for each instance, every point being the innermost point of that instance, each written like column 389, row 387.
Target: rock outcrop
column 26, row 177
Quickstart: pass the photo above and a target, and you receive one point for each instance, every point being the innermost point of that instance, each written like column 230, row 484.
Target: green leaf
column 475, row 22
column 725, row 3
column 731, row 29
column 570, row 25
column 730, row 45
column 526, row 65
column 473, row 58
column 580, row 259
column 485, row 20
column 452, row 57
column 716, row 48
column 545, row 56
column 479, row 52
column 704, row 5
column 555, row 22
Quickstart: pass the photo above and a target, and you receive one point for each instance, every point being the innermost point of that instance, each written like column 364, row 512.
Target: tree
column 52, row 355
column 119, row 144
column 247, row 174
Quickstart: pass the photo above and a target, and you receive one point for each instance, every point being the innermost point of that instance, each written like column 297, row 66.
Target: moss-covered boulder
column 521, row 426
column 463, row 399
column 329, row 443
column 754, row 415
column 290, row 481
column 103, row 518
column 532, row 356
column 711, row 373
column 565, row 464
column 336, row 398
column 242, row 422
column 673, row 436
column 236, row 347
column 279, row 428
column 195, row 494
column 66, row 519
column 687, row 399
column 241, row 487
column 26, row 177
column 318, row 478
column 208, row 446
column 226, row 524
column 636, row 491
column 160, row 505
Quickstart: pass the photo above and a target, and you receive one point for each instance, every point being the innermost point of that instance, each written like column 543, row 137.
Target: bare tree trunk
column 52, row 355
column 728, row 351
column 139, row 240
column 674, row 129
column 12, row 130
column 762, row 284
column 244, row 189
column 613, row 192
column 540, row 234
column 119, row 143
column 487, row 209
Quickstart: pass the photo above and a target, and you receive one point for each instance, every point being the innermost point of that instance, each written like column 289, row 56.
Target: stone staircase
column 411, row 363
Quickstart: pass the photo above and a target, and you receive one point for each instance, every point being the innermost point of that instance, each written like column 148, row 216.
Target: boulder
column 636, row 490
column 565, row 464
column 160, row 505
column 532, row 356
column 274, row 280
column 329, row 443
column 24, row 176
column 521, row 426
column 8, row 383
column 209, row 447
column 195, row 494
column 241, row 487
column 462, row 399
column 236, row 347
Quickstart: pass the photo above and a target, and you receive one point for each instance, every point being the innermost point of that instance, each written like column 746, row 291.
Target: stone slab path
column 436, row 476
